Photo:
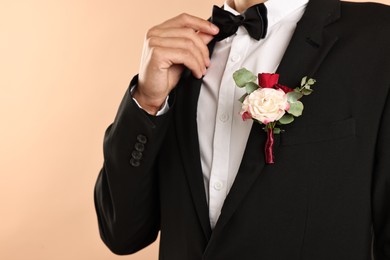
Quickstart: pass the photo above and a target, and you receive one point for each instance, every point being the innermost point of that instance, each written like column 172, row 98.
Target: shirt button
column 218, row 185
column 224, row 117
column 235, row 58
column 228, row 39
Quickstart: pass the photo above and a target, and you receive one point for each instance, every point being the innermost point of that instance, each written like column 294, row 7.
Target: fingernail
column 214, row 28
column 207, row 62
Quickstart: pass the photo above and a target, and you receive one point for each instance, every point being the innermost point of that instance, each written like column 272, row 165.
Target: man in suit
column 179, row 159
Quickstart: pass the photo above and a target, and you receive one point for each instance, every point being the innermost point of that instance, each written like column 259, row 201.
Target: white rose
column 265, row 105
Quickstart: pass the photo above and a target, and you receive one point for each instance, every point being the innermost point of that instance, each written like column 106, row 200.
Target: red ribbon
column 269, row 146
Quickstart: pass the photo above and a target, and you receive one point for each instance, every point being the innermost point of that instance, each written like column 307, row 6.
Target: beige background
column 64, row 66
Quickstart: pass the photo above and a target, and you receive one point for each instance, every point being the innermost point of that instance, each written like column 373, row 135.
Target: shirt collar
column 277, row 9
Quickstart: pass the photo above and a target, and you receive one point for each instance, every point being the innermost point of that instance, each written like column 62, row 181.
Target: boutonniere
column 269, row 103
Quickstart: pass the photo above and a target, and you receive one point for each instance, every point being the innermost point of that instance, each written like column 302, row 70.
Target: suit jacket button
column 136, row 155
column 142, row 139
column 134, row 162
column 139, row 147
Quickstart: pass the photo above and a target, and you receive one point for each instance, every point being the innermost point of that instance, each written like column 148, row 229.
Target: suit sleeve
column 381, row 190
column 126, row 191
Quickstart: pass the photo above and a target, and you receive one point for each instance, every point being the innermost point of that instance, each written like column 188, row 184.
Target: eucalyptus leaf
column 311, row 81
column 307, row 91
column 296, row 108
column 250, row 87
column 277, row 130
column 243, row 98
column 293, row 96
column 303, row 81
column 242, row 77
column 286, row 119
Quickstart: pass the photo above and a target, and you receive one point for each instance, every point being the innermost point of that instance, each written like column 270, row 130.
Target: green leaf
column 277, row 130
column 243, row 76
column 311, row 81
column 286, row 119
column 243, row 98
column 250, row 87
column 293, row 96
column 307, row 92
column 303, row 81
column 296, row 108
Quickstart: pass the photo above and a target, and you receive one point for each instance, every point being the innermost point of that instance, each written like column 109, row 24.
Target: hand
column 169, row 47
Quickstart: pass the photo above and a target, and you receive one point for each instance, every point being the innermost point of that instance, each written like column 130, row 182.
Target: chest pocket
column 319, row 133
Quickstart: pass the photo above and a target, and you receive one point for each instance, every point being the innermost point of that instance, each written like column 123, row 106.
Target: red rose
column 284, row 88
column 268, row 80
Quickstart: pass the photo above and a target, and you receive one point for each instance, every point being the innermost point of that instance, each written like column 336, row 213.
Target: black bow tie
column 254, row 19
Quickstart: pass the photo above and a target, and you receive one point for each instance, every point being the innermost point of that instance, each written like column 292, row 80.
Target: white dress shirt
column 222, row 132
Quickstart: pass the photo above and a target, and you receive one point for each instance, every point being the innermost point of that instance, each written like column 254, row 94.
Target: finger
column 193, row 22
column 179, row 43
column 183, row 33
column 206, row 38
column 170, row 56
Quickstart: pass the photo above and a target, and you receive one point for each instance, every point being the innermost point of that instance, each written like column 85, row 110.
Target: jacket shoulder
column 367, row 22
column 369, row 13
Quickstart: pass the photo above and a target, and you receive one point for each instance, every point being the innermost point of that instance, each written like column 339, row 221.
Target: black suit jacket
column 327, row 197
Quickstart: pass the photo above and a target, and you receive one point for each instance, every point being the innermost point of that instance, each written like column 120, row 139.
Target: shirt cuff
column 163, row 109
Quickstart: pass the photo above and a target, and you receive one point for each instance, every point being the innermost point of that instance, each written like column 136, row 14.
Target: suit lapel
column 188, row 90
column 251, row 165
column 310, row 43
column 187, row 135
column 309, row 46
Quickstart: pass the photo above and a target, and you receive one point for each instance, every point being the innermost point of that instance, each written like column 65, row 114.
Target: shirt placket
column 218, row 188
